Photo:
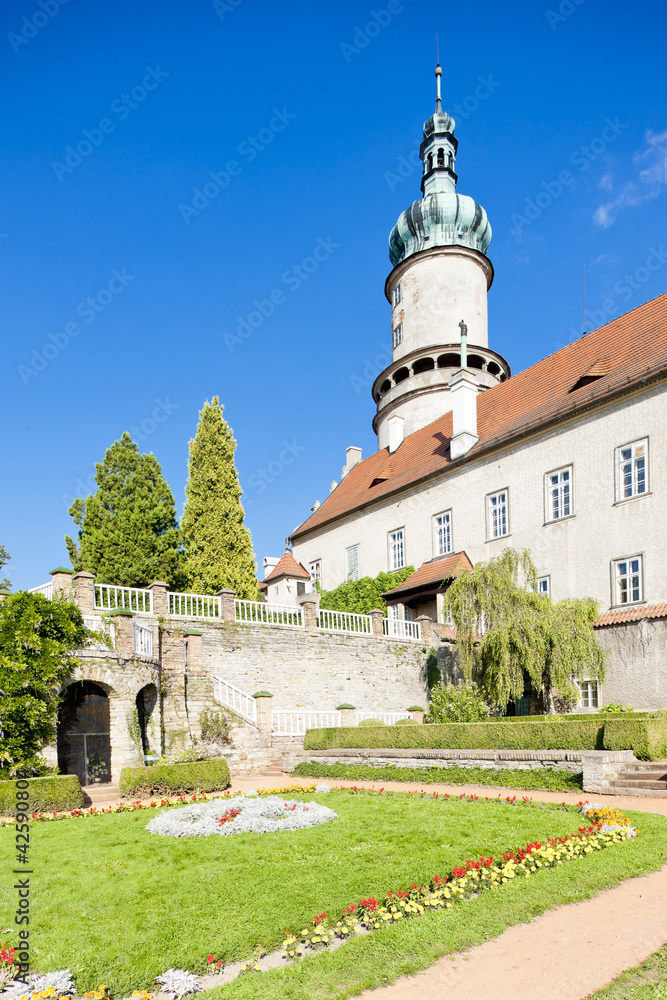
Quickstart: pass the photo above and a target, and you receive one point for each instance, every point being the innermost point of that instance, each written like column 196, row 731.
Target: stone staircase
column 644, row 779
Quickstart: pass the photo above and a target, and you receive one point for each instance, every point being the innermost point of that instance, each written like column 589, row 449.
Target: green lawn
column 647, row 982
column 118, row 905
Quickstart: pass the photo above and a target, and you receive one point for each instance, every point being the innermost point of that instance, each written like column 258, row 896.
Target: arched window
column 401, row 375
column 385, row 387
column 429, row 161
column 441, row 157
column 449, row 361
column 423, row 365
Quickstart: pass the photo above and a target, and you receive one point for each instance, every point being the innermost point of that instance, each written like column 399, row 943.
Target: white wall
column 575, row 553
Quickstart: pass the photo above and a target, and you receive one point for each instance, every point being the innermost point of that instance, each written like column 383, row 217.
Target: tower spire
column 438, row 95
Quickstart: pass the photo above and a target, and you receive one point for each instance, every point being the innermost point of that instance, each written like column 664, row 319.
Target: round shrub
column 406, row 722
column 372, row 722
column 457, row 703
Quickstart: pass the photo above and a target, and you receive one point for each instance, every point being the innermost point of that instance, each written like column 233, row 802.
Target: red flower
column 210, row 959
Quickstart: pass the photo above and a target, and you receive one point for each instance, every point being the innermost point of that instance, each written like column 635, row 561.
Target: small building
column 286, row 582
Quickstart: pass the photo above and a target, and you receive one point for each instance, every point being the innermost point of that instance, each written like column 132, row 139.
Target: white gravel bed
column 258, row 815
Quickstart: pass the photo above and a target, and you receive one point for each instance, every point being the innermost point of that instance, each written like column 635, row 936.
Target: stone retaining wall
column 493, row 760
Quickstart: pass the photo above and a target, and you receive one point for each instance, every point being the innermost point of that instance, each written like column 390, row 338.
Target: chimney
column 395, row 425
column 352, row 457
column 463, row 388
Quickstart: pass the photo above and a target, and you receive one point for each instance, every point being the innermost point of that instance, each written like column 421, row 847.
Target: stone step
column 634, row 792
column 653, row 774
column 638, row 783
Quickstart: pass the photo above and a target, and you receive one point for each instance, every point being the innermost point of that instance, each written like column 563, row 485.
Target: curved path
column 564, row 954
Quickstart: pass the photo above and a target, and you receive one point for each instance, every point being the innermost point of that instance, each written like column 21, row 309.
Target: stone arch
column 146, row 703
column 423, row 365
column 385, row 387
column 401, row 375
column 441, row 157
column 84, row 732
column 449, row 361
column 474, row 361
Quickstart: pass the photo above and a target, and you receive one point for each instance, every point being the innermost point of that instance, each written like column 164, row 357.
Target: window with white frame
column 398, row 334
column 589, row 694
column 442, row 533
column 143, row 640
column 544, row 585
column 315, row 570
column 632, row 463
column 276, row 590
column 559, row 494
column 498, row 514
column 628, row 588
column 396, row 549
column 352, row 563
column 398, row 294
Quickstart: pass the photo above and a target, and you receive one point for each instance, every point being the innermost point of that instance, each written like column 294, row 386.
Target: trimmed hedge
column 552, row 734
column 56, row 793
column 557, row 781
column 175, row 779
column 647, row 737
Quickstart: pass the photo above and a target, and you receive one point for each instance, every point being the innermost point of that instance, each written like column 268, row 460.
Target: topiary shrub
column 406, row 722
column 366, row 723
column 457, row 703
column 175, row 779
column 647, row 737
column 57, row 793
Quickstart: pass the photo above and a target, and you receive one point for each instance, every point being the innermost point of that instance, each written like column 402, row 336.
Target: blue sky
column 123, row 289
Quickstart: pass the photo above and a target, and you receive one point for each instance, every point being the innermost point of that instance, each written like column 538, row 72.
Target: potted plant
column 97, row 769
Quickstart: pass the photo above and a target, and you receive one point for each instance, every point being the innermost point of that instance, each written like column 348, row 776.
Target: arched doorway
column 146, row 702
column 84, row 740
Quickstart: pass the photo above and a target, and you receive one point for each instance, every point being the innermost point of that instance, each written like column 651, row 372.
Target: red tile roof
column 621, row 355
column 634, row 614
column 433, row 573
column 287, row 566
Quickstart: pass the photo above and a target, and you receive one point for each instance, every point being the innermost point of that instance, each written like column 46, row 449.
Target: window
column 396, row 550
column 398, row 334
column 628, row 580
column 632, row 469
column 315, row 570
column 559, row 494
column 544, row 585
column 352, row 560
column 442, row 526
column 276, row 590
column 398, row 295
column 589, row 694
column 498, row 511
column 143, row 640
column 300, row 588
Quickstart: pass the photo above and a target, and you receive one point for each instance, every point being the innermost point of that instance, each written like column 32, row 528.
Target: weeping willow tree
column 504, row 627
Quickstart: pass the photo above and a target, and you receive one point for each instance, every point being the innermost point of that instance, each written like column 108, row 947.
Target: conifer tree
column 128, row 533
column 218, row 546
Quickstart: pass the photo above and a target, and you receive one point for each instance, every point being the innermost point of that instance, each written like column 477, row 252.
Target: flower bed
column 241, row 814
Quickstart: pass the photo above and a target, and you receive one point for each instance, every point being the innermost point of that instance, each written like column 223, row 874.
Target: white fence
column 45, row 589
column 108, row 598
column 391, row 718
column 96, row 624
column 234, row 698
column 296, row 723
column 402, row 629
column 258, row 613
column 143, row 640
column 193, row 606
column 344, row 621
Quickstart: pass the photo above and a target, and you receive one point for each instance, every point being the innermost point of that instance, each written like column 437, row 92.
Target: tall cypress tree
column 218, row 546
column 128, row 533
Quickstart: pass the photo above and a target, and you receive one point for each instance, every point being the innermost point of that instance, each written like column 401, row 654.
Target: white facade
column 577, row 552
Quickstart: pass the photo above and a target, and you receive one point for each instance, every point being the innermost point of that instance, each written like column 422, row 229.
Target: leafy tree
column 505, row 627
column 218, row 546
column 37, row 640
column 128, row 533
column 362, row 595
column 457, row 703
column 4, row 558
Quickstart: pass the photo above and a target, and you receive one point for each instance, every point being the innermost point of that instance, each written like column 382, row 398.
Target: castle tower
column 441, row 275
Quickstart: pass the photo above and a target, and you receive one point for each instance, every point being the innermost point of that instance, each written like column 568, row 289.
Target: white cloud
column 651, row 166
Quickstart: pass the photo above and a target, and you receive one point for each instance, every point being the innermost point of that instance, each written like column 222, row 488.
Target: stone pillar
column 226, row 596
column 123, row 621
column 427, row 630
column 346, row 714
column 61, row 580
column 309, row 604
column 417, row 714
column 377, row 616
column 84, row 592
column 160, row 599
column 263, row 699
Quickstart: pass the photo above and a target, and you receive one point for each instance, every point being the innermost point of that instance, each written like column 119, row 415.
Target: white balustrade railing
column 193, row 605
column 391, row 718
column 296, row 723
column 108, row 598
column 97, row 624
column 143, row 640
column 344, row 621
column 258, row 613
column 402, row 629
column 45, row 589
column 231, row 696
